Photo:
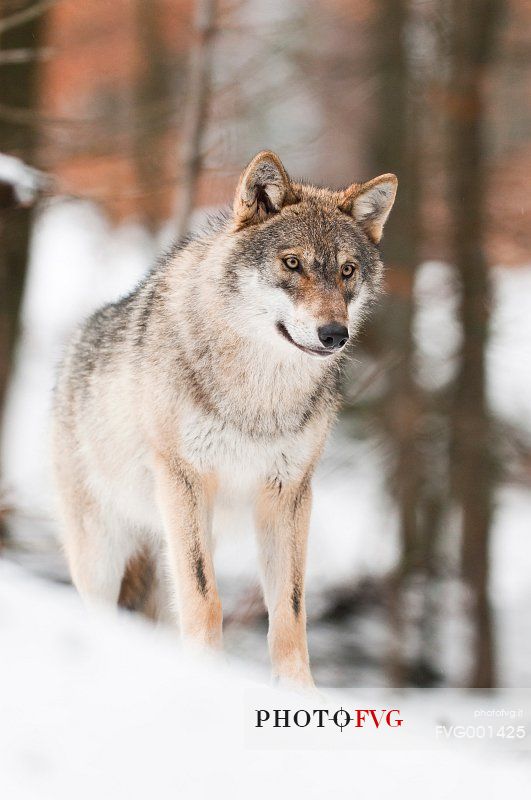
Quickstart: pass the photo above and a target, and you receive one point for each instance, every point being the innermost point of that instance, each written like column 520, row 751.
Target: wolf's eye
column 348, row 269
column 291, row 262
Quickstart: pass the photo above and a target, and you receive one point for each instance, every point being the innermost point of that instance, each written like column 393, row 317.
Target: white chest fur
column 241, row 462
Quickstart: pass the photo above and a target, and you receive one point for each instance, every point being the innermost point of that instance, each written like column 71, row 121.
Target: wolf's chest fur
column 241, row 461
column 262, row 422
column 254, row 392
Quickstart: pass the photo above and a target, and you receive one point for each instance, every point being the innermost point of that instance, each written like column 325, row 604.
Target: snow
column 509, row 354
column 25, row 180
column 101, row 705
column 436, row 331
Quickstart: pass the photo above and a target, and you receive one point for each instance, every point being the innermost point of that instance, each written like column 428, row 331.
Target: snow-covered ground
column 78, row 262
column 101, row 705
column 26, row 181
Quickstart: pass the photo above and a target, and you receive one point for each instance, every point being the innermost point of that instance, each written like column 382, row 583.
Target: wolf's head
column 305, row 260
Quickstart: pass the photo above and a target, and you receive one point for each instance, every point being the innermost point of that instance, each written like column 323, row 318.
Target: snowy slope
column 102, row 706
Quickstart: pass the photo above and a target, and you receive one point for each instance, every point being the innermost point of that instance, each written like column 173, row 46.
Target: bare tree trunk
column 150, row 90
column 195, row 112
column 395, row 146
column 18, row 89
column 473, row 25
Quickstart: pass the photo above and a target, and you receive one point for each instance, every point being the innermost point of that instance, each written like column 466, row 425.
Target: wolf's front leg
column 283, row 515
column 185, row 499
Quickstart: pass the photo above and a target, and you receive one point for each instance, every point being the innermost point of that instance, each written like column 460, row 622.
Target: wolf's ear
column 263, row 189
column 370, row 203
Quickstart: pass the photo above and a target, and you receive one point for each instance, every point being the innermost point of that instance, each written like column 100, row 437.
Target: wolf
column 216, row 378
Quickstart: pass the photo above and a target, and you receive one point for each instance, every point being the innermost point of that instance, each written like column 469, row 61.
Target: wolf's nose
column 333, row 336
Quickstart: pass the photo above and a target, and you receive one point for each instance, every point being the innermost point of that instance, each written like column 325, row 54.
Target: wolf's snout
column 333, row 336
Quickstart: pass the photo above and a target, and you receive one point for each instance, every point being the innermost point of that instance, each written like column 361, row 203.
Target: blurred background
column 124, row 123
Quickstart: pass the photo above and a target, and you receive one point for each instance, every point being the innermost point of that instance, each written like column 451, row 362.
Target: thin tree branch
column 21, row 55
column 21, row 17
column 196, row 111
